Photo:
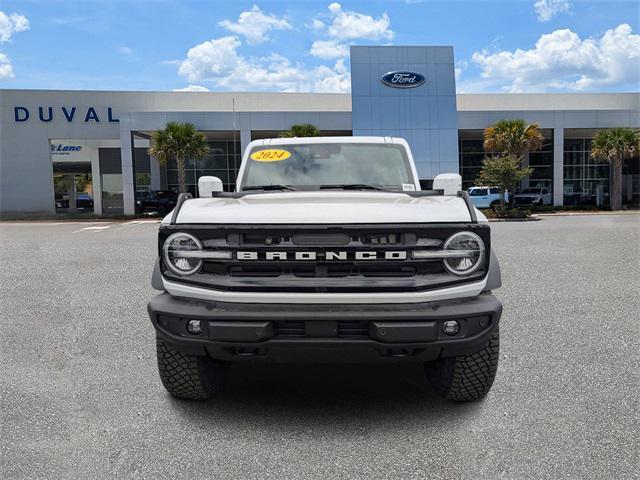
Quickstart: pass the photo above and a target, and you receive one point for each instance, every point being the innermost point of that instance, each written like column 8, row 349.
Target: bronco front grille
column 289, row 328
column 321, row 270
column 306, row 258
column 345, row 329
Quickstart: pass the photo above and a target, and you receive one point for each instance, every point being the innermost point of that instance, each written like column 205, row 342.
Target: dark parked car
column 156, row 201
column 84, row 201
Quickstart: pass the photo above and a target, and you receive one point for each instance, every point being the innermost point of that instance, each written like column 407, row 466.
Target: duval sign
column 403, row 79
column 69, row 114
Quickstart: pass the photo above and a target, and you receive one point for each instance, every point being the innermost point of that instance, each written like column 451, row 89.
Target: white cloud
column 210, row 59
column 561, row 60
column 331, row 80
column 125, row 51
column 278, row 73
column 255, row 24
column 10, row 24
column 329, row 49
column 217, row 61
column 317, row 25
column 6, row 70
column 347, row 25
column 547, row 9
column 192, row 88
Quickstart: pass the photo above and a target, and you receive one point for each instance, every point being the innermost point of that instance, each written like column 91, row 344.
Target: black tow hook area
column 240, row 331
column 398, row 332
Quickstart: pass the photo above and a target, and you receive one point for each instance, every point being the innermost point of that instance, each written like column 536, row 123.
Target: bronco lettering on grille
column 327, row 255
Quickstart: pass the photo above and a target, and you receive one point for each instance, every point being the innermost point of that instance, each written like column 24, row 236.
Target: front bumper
column 526, row 200
column 326, row 333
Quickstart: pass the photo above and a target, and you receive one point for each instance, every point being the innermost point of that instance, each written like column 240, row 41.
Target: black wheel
column 189, row 376
column 495, row 204
column 469, row 377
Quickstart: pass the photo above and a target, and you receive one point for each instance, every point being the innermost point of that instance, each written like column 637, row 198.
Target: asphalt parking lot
column 81, row 398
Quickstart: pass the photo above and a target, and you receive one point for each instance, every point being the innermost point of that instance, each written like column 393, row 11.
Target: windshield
column 312, row 166
column 531, row 190
column 477, row 192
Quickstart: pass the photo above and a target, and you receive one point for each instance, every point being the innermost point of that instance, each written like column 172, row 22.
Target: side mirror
column 207, row 186
column 450, row 183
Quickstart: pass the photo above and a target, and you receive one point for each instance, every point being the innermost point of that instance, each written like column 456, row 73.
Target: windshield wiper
column 351, row 186
column 268, row 187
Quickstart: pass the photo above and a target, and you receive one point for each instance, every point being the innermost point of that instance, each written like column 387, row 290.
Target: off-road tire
column 469, row 377
column 187, row 376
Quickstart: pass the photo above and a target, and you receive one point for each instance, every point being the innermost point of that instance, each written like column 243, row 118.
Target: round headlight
column 470, row 250
column 178, row 250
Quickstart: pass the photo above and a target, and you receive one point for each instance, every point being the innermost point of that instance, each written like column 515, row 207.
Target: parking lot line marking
column 36, row 223
column 95, row 229
column 133, row 223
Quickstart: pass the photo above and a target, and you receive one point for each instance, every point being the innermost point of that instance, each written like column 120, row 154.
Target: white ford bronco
column 328, row 251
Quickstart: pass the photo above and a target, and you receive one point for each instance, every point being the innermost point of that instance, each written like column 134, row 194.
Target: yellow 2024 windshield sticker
column 270, row 155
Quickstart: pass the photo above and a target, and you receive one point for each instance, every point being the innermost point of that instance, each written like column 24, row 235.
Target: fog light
column 451, row 327
column 194, row 327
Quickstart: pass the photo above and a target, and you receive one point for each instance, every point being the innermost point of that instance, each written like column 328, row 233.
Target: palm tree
column 614, row 146
column 514, row 138
column 302, row 130
column 180, row 141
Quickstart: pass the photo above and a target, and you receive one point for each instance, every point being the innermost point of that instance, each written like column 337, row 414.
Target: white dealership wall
column 559, row 112
column 75, row 150
column 26, row 183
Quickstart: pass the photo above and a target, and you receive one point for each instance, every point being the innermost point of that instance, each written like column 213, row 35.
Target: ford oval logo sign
column 401, row 79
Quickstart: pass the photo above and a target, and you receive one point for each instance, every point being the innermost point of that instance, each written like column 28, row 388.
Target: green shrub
column 507, row 212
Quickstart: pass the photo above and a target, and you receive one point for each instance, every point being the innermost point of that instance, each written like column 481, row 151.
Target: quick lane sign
column 62, row 149
column 69, row 114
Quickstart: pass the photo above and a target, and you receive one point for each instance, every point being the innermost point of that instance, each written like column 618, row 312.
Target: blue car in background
column 486, row 197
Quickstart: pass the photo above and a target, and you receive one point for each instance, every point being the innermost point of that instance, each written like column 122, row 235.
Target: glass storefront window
column 143, row 182
column 472, row 154
column 223, row 161
column 141, row 169
column 586, row 181
column 111, row 176
column 542, row 163
column 73, row 187
column 112, row 200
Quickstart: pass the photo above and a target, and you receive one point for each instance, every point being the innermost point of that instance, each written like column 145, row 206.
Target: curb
column 528, row 219
column 570, row 214
column 78, row 222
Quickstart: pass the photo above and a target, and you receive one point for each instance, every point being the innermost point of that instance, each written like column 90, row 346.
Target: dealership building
column 72, row 151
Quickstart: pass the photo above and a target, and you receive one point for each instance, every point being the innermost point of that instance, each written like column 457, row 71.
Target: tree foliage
column 301, row 130
column 180, row 141
column 503, row 172
column 615, row 145
column 514, row 138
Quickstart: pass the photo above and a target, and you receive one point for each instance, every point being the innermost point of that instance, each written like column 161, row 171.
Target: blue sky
column 506, row 46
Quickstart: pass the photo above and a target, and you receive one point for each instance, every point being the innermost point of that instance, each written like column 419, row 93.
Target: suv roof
column 311, row 140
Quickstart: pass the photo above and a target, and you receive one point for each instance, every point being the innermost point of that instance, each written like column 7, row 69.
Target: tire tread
column 188, row 376
column 468, row 377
